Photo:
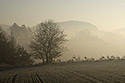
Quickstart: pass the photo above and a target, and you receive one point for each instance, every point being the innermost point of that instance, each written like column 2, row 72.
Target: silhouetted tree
column 118, row 58
column 102, row 58
column 91, row 59
column 10, row 53
column 113, row 57
column 85, row 58
column 22, row 57
column 48, row 41
column 3, row 46
column 108, row 58
column 76, row 58
column 58, row 60
column 79, row 58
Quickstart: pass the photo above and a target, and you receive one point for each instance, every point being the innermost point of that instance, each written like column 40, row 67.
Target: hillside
column 73, row 27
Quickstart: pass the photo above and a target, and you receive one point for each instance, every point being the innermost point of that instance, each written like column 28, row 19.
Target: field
column 83, row 72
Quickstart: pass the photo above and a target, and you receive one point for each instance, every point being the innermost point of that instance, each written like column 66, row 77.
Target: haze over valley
column 84, row 39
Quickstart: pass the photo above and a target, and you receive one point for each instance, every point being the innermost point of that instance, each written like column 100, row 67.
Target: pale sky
column 105, row 14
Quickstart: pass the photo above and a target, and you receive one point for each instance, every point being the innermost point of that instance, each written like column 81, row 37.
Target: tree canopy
column 48, row 41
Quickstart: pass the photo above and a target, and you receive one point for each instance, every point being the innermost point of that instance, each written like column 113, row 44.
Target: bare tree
column 48, row 41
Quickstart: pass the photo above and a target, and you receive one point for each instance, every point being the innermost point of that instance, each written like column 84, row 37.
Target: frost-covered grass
column 89, row 72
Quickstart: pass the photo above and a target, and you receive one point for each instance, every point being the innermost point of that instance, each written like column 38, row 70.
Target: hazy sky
column 105, row 14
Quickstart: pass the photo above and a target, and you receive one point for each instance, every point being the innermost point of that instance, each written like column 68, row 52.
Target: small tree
column 22, row 57
column 113, row 57
column 102, row 58
column 85, row 58
column 48, row 41
column 108, row 58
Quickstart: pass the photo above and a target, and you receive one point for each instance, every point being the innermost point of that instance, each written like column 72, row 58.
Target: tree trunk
column 50, row 60
column 47, row 58
column 43, row 61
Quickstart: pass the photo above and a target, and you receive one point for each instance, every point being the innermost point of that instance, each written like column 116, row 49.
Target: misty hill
column 73, row 27
column 84, row 39
column 78, row 25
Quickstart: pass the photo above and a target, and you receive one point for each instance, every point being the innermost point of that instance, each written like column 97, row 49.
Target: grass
column 82, row 72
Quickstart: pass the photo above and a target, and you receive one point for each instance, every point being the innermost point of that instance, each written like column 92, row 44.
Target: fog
column 86, row 40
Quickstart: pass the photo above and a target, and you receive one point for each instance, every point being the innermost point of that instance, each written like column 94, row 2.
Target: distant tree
column 79, row 59
column 113, row 57
column 102, row 58
column 76, row 58
column 123, row 57
column 22, row 57
column 58, row 60
column 108, row 58
column 92, row 59
column 118, row 58
column 48, row 41
column 10, row 53
column 85, row 58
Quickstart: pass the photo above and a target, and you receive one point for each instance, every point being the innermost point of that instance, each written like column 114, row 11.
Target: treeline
column 12, row 53
column 47, row 44
column 102, row 58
